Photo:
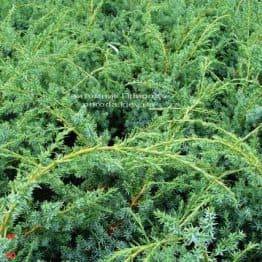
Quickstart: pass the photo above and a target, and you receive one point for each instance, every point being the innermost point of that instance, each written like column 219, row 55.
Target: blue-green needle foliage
column 176, row 181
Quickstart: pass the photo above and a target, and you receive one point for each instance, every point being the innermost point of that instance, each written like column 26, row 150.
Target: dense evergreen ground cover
column 174, row 173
